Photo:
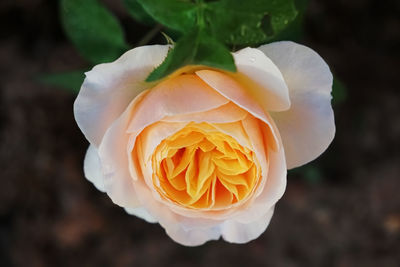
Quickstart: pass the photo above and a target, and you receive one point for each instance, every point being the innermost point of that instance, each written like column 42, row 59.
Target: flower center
column 202, row 168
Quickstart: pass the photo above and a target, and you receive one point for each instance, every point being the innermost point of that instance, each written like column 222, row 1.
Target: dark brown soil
column 51, row 216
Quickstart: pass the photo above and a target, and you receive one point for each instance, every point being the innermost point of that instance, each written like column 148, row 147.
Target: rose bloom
column 205, row 152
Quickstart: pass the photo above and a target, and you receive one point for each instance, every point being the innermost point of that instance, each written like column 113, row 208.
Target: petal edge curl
column 109, row 88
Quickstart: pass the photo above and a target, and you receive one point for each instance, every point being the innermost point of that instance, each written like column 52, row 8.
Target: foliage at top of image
column 234, row 22
column 205, row 31
column 212, row 24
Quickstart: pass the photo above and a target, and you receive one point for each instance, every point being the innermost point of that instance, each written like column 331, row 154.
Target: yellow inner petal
column 199, row 167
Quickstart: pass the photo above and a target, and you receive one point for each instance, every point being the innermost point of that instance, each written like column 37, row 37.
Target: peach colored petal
column 273, row 188
column 154, row 134
column 229, row 112
column 274, row 184
column 235, row 92
column 150, row 138
column 308, row 127
column 175, row 97
column 114, row 159
column 238, row 229
column 252, row 127
column 109, row 88
column 235, row 130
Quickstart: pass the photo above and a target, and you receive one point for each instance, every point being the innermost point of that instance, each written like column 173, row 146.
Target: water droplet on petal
column 252, row 59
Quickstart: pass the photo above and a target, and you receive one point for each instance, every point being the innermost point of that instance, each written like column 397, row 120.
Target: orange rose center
column 202, row 168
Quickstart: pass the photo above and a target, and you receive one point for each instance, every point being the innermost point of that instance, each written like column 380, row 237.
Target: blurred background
column 341, row 210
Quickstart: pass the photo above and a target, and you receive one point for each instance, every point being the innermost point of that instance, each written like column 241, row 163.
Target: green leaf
column 70, row 81
column 235, row 22
column 251, row 22
column 294, row 31
column 207, row 26
column 94, row 31
column 196, row 48
column 175, row 14
column 138, row 13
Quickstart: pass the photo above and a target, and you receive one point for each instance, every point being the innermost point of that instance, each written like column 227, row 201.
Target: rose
column 205, row 152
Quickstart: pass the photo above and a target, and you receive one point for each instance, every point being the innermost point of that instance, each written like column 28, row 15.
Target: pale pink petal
column 235, row 92
column 109, row 88
column 193, row 237
column 224, row 114
column 308, row 127
column 181, row 95
column 262, row 79
column 92, row 168
column 141, row 213
column 236, row 232
column 232, row 231
column 113, row 156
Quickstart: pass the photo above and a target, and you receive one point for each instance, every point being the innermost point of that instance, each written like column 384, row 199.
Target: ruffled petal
column 192, row 228
column 308, row 127
column 109, row 88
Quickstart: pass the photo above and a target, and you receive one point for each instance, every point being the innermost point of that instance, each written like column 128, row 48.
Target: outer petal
column 235, row 92
column 308, row 127
column 193, row 237
column 236, row 232
column 109, row 88
column 141, row 213
column 262, row 78
column 114, row 159
column 180, row 95
column 92, row 168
